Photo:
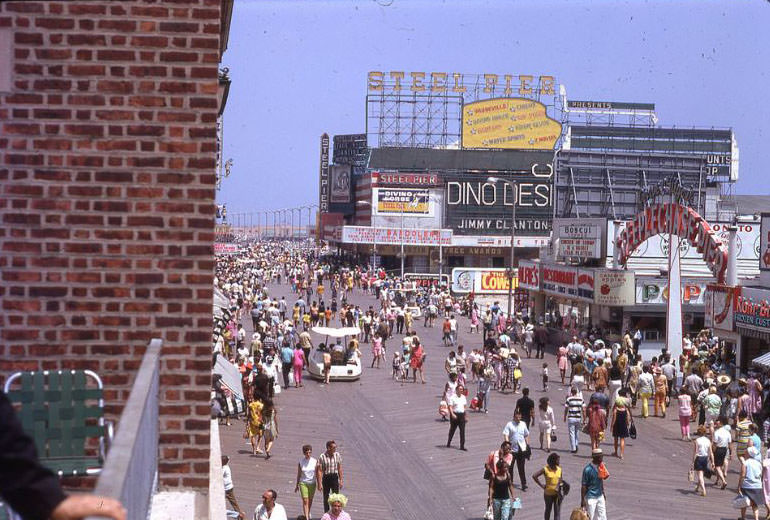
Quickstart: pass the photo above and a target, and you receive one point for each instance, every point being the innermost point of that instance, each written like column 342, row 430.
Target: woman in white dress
column 546, row 421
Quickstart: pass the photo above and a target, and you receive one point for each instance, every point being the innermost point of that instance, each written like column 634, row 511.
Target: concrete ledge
column 216, row 509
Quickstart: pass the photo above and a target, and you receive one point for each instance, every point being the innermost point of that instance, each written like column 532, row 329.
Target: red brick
column 115, row 55
column 117, row 25
column 55, row 23
column 82, row 8
column 23, row 38
column 24, row 7
column 179, row 27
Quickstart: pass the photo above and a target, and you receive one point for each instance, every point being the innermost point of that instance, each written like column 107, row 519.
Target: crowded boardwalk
column 393, row 443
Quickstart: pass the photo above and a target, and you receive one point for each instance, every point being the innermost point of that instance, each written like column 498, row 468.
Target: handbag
column 632, row 431
column 489, row 515
column 563, row 489
column 604, row 473
column 517, row 373
column 487, row 473
column 691, row 477
column 553, row 437
column 740, row 501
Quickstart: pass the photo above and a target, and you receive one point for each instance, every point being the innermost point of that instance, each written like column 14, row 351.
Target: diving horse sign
column 675, row 219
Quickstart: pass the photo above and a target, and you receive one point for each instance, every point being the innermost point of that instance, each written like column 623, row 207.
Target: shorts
column 306, row 490
column 701, row 464
column 719, row 456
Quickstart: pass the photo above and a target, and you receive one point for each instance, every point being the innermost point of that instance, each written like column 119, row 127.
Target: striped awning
column 762, row 361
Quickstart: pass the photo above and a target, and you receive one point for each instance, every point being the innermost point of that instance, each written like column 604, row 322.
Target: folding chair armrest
column 105, row 442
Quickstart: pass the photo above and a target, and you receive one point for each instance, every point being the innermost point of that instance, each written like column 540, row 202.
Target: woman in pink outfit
column 562, row 361
column 298, row 364
column 685, row 409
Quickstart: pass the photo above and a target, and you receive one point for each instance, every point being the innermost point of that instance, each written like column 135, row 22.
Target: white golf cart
column 346, row 366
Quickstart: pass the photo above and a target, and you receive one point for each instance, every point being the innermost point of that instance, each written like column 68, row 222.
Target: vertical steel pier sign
column 323, row 176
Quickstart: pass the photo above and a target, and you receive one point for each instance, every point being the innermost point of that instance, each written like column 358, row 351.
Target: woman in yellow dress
column 254, row 425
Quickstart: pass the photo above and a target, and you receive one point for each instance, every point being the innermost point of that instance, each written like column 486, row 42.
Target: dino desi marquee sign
column 678, row 220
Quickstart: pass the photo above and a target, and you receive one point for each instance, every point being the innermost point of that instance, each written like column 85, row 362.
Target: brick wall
column 107, row 162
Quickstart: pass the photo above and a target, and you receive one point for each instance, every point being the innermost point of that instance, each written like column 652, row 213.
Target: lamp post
column 374, row 232
column 275, row 222
column 495, row 180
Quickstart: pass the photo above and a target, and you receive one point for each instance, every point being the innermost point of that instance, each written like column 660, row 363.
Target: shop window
column 652, row 335
column 498, row 261
column 456, row 261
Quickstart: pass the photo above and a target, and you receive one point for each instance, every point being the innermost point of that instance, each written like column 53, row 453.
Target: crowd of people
column 608, row 384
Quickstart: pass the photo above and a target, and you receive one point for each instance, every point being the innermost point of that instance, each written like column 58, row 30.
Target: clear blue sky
column 299, row 69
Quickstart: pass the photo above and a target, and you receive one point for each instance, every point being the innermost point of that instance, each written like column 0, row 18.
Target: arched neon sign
column 678, row 220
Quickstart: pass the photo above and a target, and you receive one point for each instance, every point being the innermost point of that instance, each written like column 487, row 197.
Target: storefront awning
column 762, row 361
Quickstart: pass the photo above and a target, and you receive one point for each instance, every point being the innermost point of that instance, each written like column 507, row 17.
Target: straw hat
column 723, row 380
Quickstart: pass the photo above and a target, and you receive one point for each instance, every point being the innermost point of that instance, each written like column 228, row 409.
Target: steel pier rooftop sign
column 441, row 82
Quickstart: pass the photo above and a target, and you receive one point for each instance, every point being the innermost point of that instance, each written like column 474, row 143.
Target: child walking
column 545, row 377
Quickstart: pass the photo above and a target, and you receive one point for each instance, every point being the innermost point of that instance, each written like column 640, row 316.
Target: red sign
column 405, row 179
column 529, row 275
column 678, row 220
column 225, row 248
column 331, row 226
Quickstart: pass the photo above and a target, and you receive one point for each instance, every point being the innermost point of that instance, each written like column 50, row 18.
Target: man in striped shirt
column 329, row 472
column 574, row 416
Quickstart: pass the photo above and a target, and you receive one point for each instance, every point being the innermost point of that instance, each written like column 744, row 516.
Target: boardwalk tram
column 345, row 363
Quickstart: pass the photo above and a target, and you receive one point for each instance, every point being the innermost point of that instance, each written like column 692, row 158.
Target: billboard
column 331, row 226
column 579, row 238
column 341, row 187
column 225, row 248
column 720, row 306
column 513, row 123
column 350, row 149
column 764, row 243
column 481, row 280
column 475, row 206
column 405, row 179
column 654, row 291
column 402, row 201
column 560, row 280
column 529, row 275
column 427, row 279
column 752, row 309
column 323, row 176
column 380, row 235
column 614, row 287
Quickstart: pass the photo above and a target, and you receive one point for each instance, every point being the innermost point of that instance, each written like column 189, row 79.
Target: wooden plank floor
column 396, row 465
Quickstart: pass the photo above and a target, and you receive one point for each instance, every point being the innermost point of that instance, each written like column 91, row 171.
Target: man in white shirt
column 457, row 416
column 269, row 510
column 517, row 433
column 227, row 479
